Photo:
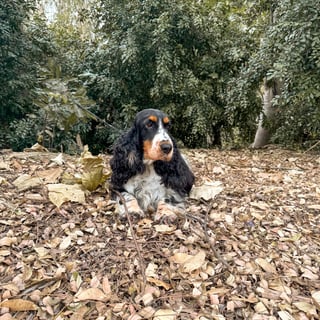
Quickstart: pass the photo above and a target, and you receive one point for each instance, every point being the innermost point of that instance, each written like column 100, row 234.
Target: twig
column 215, row 252
column 312, row 147
column 98, row 119
column 141, row 260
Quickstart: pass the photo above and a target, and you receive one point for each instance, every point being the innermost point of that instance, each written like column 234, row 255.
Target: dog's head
column 153, row 126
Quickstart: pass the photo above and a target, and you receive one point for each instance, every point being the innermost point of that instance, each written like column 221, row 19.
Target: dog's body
column 147, row 167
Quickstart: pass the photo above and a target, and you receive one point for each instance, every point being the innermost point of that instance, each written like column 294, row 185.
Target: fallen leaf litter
column 248, row 248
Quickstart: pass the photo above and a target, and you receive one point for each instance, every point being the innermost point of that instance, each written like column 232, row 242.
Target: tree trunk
column 263, row 134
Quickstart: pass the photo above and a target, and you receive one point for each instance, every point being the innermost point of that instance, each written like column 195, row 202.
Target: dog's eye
column 149, row 124
column 167, row 125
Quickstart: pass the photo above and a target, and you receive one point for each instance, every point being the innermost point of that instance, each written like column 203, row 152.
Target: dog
column 148, row 169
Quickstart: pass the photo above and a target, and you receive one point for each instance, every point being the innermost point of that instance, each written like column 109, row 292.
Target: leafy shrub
column 168, row 55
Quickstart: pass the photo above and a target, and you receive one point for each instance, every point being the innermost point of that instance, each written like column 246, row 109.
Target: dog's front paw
column 132, row 207
column 166, row 213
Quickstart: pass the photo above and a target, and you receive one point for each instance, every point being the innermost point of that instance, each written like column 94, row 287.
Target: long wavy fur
column 175, row 174
column 127, row 161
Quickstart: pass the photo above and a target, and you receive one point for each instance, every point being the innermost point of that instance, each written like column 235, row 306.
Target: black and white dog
column 148, row 169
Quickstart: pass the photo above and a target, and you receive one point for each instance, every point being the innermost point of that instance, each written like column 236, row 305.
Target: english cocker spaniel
column 148, row 169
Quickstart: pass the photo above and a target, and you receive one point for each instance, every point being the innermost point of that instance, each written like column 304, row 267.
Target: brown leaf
column 8, row 241
column 7, row 316
column 308, row 308
column 164, row 228
column 51, row 175
column 106, row 285
column 25, row 182
column 164, row 314
column 266, row 266
column 92, row 175
column 284, row 315
column 60, row 193
column 80, row 313
column 195, row 262
column 19, row 305
column 316, row 299
column 207, row 191
column 147, row 312
column 65, row 243
column 159, row 283
column 180, row 257
column 91, row 294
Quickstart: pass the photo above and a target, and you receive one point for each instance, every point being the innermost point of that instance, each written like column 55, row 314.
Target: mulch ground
column 252, row 251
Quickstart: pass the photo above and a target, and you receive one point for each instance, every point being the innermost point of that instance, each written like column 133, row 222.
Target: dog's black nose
column 166, row 148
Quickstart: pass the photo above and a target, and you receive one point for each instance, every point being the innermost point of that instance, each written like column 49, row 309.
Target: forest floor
column 251, row 250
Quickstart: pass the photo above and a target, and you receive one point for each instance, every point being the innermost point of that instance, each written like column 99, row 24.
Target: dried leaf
column 308, row 308
column 5, row 253
column 164, row 228
column 164, row 314
column 195, row 262
column 118, row 307
column 159, row 283
column 80, row 313
column 316, row 299
column 135, row 317
column 284, row 315
column 37, row 147
column 180, row 257
column 3, row 181
column 309, row 274
column 19, row 305
column 106, row 285
column 147, row 298
column 25, row 182
column 265, row 265
column 92, row 175
column 8, row 241
column 147, row 312
column 65, row 243
column 314, row 206
column 91, row 294
column 42, row 252
column 58, row 159
column 60, row 193
column 51, row 175
column 151, row 270
column 207, row 191
column 261, row 308
column 4, row 165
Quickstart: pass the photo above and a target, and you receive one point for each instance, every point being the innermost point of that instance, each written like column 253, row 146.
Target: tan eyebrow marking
column 153, row 118
column 165, row 120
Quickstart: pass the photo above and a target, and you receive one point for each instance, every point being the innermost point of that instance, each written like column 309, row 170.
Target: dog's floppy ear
column 176, row 173
column 127, row 158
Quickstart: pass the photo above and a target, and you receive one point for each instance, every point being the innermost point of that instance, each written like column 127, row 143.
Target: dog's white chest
column 147, row 188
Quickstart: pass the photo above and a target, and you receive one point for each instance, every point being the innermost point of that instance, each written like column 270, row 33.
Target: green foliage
column 38, row 127
column 72, row 31
column 22, row 133
column 171, row 55
column 297, row 64
column 62, row 114
column 56, row 106
column 202, row 62
column 289, row 53
column 17, row 70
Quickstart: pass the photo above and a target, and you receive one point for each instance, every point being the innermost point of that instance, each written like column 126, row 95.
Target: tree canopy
column 88, row 69
column 171, row 55
column 288, row 53
column 17, row 65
